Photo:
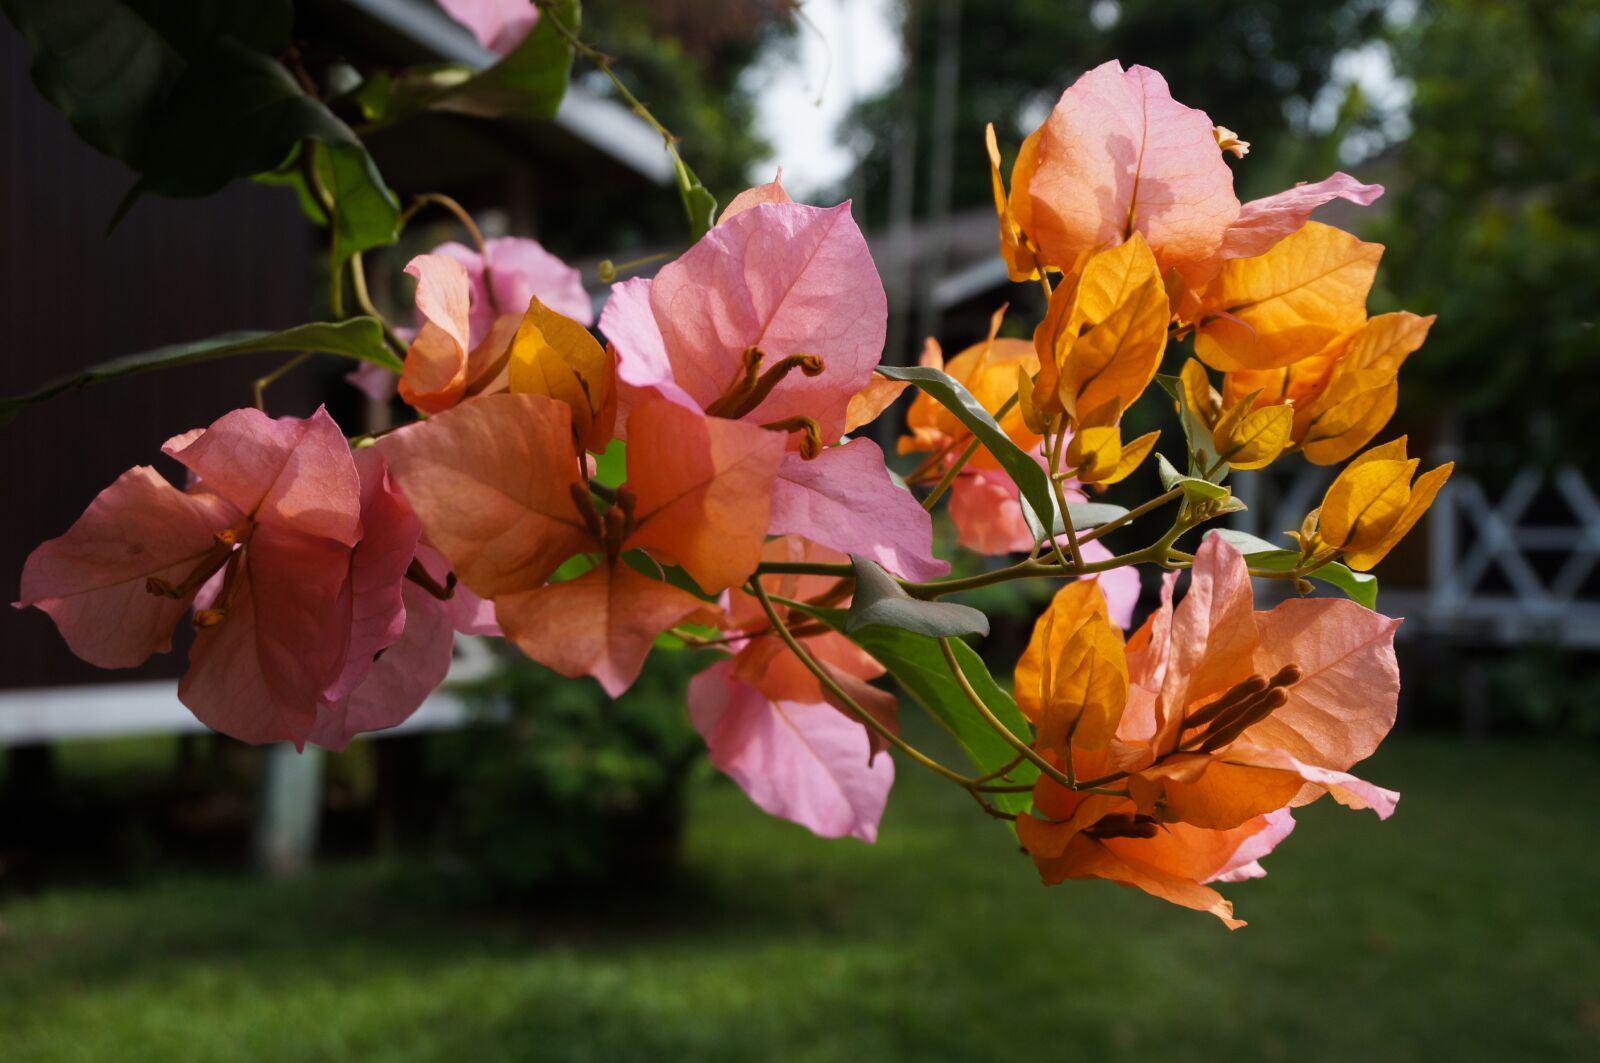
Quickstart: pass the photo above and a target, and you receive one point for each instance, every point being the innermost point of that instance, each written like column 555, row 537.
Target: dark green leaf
column 239, row 113
column 1359, row 587
column 530, row 81
column 918, row 665
column 110, row 65
column 360, row 338
column 1030, row 479
column 880, row 600
column 189, row 96
column 366, row 214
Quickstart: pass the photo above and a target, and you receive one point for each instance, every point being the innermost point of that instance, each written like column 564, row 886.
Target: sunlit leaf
column 530, row 81
column 1192, row 486
column 1359, row 587
column 880, row 601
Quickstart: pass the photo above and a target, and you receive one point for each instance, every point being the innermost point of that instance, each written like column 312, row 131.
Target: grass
column 1465, row 928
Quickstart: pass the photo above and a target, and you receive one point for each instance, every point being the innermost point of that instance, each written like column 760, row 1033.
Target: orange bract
column 1227, row 717
column 1272, row 310
column 496, row 484
column 1372, row 504
column 555, row 356
column 989, row 371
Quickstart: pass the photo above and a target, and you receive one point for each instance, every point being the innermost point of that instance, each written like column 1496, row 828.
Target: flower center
column 611, row 529
column 1124, row 825
column 1240, row 707
column 751, row 386
column 227, row 550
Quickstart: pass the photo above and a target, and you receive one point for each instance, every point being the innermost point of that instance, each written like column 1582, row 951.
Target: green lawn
column 1468, row 927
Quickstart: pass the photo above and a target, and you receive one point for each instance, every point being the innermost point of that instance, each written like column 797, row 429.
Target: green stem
column 950, row 475
column 603, row 62
column 994, row 722
column 1027, row 569
column 358, row 282
column 263, row 383
column 1133, row 515
column 832, row 686
column 1061, row 499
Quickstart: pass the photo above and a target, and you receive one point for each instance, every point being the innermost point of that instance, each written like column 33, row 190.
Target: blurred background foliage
column 1494, row 221
column 557, row 787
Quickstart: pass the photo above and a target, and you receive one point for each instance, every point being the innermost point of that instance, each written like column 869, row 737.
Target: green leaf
column 699, row 204
column 1192, row 486
column 1086, row 515
column 1359, row 587
column 360, row 338
column 880, row 600
column 918, row 665
column 1202, row 449
column 1030, row 479
column 189, row 96
column 366, row 214
column 529, row 81
column 110, row 65
column 239, row 113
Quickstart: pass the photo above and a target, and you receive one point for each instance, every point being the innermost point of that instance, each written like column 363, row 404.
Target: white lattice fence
column 1483, row 581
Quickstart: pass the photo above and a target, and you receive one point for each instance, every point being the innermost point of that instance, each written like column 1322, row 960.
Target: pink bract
column 804, row 762
column 784, row 277
column 499, row 25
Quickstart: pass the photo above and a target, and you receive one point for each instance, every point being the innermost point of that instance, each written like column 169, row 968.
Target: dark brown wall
column 70, row 296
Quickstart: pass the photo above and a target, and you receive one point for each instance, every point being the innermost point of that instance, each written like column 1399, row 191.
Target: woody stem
column 961, row 459
column 950, row 475
column 263, row 383
column 439, row 199
column 358, row 282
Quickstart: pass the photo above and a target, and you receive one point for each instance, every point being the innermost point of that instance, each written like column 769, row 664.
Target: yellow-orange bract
column 1221, row 718
column 1267, row 312
column 1102, row 339
column 1072, row 680
column 989, row 371
column 1344, row 395
column 1099, row 456
column 1251, row 438
column 555, row 356
column 1372, row 504
column 1246, row 432
column 1019, row 258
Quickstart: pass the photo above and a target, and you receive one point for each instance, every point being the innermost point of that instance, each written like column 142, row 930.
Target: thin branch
column 832, row 686
column 1022, row 748
column 1132, row 515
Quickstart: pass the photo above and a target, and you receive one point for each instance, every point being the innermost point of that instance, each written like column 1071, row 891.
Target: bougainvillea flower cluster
column 709, row 474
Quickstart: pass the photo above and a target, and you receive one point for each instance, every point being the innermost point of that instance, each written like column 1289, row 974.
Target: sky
column 846, row 50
